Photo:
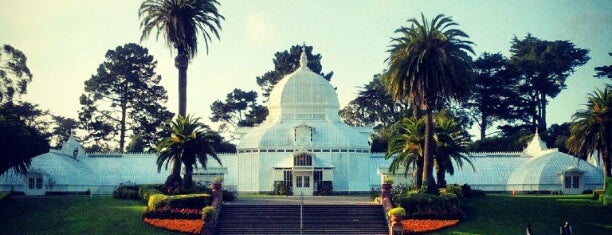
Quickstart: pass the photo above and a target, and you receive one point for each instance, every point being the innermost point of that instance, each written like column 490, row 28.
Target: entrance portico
column 303, row 174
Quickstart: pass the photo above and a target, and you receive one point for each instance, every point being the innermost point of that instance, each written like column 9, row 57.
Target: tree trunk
column 418, row 173
column 483, row 126
column 173, row 182
column 181, row 61
column 542, row 122
column 188, row 177
column 607, row 164
column 429, row 183
column 440, row 175
column 122, row 129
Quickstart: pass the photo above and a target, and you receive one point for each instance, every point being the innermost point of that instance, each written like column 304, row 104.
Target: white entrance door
column 302, row 183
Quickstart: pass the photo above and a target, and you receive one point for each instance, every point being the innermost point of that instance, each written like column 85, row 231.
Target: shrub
column 374, row 194
column 598, row 193
column 229, row 196
column 452, row 189
column 468, row 192
column 189, row 201
column 144, row 192
column 218, row 179
column 426, row 206
column 280, row 188
column 125, row 193
column 326, row 188
column 398, row 211
column 389, row 180
column 157, row 201
column 208, row 213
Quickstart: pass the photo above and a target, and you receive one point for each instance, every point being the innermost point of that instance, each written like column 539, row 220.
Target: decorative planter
column 216, row 186
column 386, row 190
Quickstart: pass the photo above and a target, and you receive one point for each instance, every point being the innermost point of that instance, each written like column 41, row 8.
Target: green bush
column 189, row 201
column 125, row 193
column 453, row 189
column 326, row 188
column 398, row 211
column 157, row 201
column 426, row 206
column 208, row 213
column 280, row 188
column 468, row 192
column 145, row 191
column 229, row 196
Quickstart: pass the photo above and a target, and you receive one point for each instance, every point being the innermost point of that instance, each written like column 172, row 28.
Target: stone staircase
column 317, row 219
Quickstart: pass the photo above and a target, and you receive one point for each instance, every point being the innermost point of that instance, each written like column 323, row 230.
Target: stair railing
column 301, row 213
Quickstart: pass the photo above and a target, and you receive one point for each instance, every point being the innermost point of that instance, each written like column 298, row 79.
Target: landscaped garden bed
column 426, row 225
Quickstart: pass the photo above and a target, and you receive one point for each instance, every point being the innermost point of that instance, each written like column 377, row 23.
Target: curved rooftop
column 543, row 173
column 303, row 99
column 64, row 170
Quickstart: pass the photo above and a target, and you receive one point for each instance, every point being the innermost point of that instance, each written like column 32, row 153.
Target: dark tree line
column 510, row 93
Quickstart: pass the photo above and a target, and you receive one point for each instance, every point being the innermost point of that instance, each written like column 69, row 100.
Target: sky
column 65, row 41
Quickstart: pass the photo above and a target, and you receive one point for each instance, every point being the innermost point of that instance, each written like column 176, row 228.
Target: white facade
column 302, row 144
column 303, row 119
column 536, row 169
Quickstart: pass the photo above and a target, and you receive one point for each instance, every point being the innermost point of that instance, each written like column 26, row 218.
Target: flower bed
column 177, row 225
column 170, row 213
column 412, row 226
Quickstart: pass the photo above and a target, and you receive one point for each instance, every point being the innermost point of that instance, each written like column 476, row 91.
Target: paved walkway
column 295, row 200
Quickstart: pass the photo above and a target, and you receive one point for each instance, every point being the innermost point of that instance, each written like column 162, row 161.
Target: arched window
column 302, row 159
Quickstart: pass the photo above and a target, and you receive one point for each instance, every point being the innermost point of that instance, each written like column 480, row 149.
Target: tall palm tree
column 428, row 62
column 451, row 142
column 180, row 22
column 406, row 148
column 591, row 129
column 190, row 141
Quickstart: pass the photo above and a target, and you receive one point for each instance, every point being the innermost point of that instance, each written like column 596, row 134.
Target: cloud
column 258, row 28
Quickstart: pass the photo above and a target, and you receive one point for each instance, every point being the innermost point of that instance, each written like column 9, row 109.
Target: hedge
column 126, row 192
column 145, row 191
column 426, row 206
column 158, row 201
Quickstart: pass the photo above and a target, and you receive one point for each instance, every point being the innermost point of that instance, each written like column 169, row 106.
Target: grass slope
column 73, row 215
column 503, row 214
column 493, row 214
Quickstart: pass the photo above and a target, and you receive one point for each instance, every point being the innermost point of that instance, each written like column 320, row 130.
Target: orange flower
column 177, row 225
column 426, row 225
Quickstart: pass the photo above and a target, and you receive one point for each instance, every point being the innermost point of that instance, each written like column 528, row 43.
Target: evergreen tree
column 124, row 95
column 543, row 66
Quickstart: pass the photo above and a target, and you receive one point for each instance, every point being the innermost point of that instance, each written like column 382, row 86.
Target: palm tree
column 190, row 141
column 591, row 129
column 451, row 142
column 406, row 148
column 427, row 63
column 180, row 22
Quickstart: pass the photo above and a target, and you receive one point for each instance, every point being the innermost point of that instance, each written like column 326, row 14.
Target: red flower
column 426, row 225
column 177, row 225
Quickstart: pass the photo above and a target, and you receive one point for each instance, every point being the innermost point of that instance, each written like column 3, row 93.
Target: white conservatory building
column 302, row 144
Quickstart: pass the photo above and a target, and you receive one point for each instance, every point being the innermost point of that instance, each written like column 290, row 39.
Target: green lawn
column 73, row 215
column 503, row 214
column 493, row 214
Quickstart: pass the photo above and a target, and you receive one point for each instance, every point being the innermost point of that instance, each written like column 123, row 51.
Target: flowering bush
column 177, row 225
column 172, row 213
column 412, row 226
